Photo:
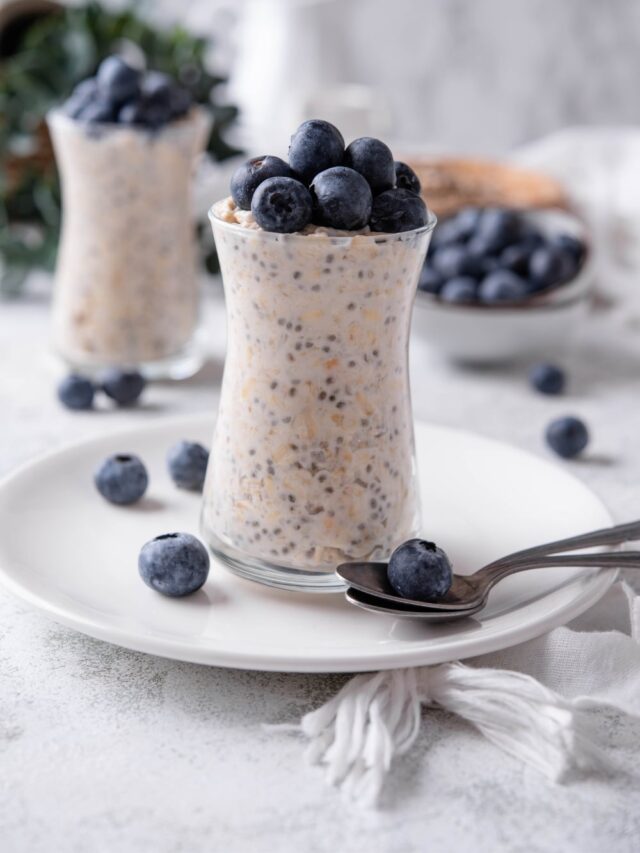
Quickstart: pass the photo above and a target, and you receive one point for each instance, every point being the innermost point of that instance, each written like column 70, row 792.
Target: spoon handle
column 608, row 536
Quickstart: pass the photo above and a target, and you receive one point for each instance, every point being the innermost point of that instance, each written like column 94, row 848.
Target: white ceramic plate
column 69, row 553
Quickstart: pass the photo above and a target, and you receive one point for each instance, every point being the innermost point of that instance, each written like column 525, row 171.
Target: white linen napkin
column 532, row 701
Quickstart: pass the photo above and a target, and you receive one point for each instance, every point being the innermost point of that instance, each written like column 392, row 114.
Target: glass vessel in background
column 126, row 283
column 312, row 462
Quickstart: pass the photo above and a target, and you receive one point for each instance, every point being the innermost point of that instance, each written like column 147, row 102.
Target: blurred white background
column 476, row 76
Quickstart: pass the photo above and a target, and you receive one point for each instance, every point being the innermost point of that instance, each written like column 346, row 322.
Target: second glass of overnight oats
column 312, row 462
column 126, row 286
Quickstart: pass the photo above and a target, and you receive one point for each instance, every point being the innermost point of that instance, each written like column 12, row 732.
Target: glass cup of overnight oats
column 126, row 284
column 313, row 458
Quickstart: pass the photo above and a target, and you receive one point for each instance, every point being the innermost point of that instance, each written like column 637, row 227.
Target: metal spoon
column 470, row 592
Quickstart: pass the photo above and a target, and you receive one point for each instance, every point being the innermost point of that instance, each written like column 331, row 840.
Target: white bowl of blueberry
column 501, row 285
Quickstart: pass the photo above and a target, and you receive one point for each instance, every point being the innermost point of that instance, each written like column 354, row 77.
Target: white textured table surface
column 103, row 749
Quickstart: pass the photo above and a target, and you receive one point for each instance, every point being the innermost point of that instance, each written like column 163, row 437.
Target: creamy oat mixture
column 126, row 289
column 313, row 458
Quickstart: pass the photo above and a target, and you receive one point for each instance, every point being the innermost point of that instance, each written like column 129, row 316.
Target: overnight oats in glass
column 312, row 462
column 126, row 284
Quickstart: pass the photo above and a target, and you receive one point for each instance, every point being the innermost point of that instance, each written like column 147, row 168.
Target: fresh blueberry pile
column 493, row 256
column 124, row 387
column 325, row 183
column 122, row 94
column 420, row 570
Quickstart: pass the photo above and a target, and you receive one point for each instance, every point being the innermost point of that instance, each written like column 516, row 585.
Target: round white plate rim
column 595, row 584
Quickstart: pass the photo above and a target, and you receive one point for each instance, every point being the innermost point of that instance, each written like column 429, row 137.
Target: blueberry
column 374, row 161
column 341, row 199
column 180, row 101
column 98, row 111
column 118, row 81
column 547, row 378
column 567, row 436
column 315, row 146
column 187, row 463
column 174, row 564
column 445, row 234
column 156, row 87
column 546, row 267
column 123, row 386
column 571, row 245
column 83, row 94
column 282, row 205
column 516, row 257
column 430, row 281
column 459, row 289
column 420, row 570
column 498, row 227
column 122, row 479
column 453, row 260
column 76, row 392
column 132, row 113
column 406, row 178
column 248, row 177
column 466, row 221
column 397, row 210
column 502, row 286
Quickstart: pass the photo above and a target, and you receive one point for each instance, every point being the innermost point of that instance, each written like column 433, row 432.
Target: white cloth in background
column 532, row 701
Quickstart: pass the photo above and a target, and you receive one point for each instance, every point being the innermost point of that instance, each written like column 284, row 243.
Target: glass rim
column 378, row 236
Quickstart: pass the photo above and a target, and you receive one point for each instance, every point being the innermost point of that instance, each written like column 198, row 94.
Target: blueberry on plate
column 567, row 436
column 546, row 267
column 420, row 570
column 502, row 286
column 122, row 479
column 406, row 178
column 174, row 564
column 315, row 146
column 187, row 464
column 397, row 210
column 373, row 160
column 118, row 81
column 341, row 199
column 247, row 178
column 459, row 289
column 430, row 281
column 547, row 378
column 123, row 386
column 282, row 205
column 76, row 392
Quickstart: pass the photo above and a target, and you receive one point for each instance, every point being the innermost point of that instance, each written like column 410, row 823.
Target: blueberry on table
column 315, row 146
column 420, row 570
column 547, row 378
column 174, row 564
column 459, row 289
column 567, row 436
column 187, row 464
column 341, row 199
column 374, row 161
column 118, row 80
column 122, row 479
column 430, row 281
column 282, row 205
column 502, row 286
column 406, row 178
column 76, row 392
column 397, row 210
column 123, row 386
column 247, row 178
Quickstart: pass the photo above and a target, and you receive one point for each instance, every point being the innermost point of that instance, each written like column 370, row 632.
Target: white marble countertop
column 104, row 749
